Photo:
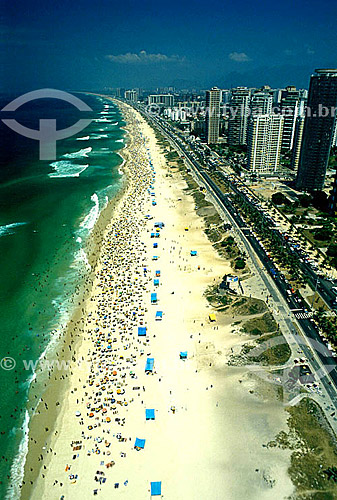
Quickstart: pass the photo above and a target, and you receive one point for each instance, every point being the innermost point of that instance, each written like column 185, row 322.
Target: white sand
column 211, row 447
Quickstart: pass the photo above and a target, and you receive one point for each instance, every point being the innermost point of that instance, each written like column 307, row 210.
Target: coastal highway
column 314, row 349
column 324, row 286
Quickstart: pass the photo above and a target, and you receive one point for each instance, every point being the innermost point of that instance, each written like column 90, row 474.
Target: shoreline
column 59, row 387
column 200, row 360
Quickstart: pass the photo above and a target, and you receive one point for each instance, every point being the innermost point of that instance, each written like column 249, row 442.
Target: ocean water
column 47, row 211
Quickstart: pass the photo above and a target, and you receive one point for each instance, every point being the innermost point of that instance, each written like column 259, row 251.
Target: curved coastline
column 45, row 418
column 201, row 410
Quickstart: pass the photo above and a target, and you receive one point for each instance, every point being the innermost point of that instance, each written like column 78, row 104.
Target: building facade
column 213, row 98
column 165, row 100
column 290, row 108
column 319, row 127
column 297, row 143
column 264, row 143
column 261, row 103
column 239, row 116
column 131, row 95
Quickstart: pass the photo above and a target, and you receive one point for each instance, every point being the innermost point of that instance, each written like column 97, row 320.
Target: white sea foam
column 100, row 120
column 10, row 228
column 65, row 168
column 81, row 257
column 17, row 469
column 91, row 218
column 85, row 138
column 79, row 154
column 119, row 140
column 99, row 136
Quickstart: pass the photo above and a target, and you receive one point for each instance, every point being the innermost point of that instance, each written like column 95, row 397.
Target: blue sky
column 94, row 44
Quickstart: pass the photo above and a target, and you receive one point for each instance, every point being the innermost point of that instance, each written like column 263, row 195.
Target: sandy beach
column 210, row 429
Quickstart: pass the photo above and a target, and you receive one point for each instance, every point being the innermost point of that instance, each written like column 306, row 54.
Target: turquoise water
column 47, row 211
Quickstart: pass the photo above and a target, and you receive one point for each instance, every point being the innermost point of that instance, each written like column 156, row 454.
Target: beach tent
column 183, row 354
column 152, row 235
column 157, row 235
column 156, row 282
column 153, row 298
column 159, row 315
column 149, row 364
column 156, row 488
column 155, row 245
column 139, row 443
column 141, row 331
column 159, row 224
column 154, row 203
column 193, row 253
column 149, row 415
column 157, row 273
column 155, row 257
column 212, row 317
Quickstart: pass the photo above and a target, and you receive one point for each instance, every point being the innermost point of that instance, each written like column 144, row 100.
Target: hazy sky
column 99, row 43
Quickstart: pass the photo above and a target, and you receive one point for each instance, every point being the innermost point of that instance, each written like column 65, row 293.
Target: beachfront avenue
column 320, row 360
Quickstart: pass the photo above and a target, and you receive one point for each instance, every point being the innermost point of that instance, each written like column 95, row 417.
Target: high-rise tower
column 264, row 142
column 213, row 98
column 239, row 116
column 318, row 131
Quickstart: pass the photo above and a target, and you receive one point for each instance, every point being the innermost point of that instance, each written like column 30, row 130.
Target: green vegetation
column 328, row 325
column 260, row 326
column 322, row 234
column 279, row 199
column 215, row 299
column 273, row 356
column 314, row 451
column 264, row 328
column 245, row 306
column 239, row 263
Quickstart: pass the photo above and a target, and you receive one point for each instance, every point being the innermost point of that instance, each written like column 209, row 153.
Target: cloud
column 239, row 57
column 143, row 58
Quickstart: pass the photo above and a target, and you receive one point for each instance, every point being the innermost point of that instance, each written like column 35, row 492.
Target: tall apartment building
column 334, row 140
column 333, row 205
column 291, row 107
column 297, row 143
column 334, row 190
column 120, row 92
column 239, row 116
column 225, row 96
column 261, row 103
column 131, row 95
column 166, row 100
column 319, row 127
column 213, row 98
column 264, row 142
